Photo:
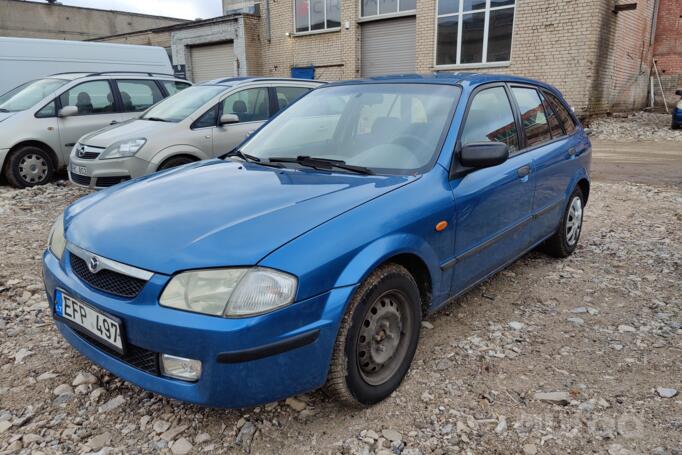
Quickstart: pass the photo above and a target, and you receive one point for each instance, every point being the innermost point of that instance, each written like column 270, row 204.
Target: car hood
column 214, row 213
column 131, row 129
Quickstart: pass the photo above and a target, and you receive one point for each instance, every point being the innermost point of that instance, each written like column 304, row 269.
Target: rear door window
column 250, row 105
column 287, row 95
column 491, row 119
column 554, row 124
column 533, row 116
column 173, row 87
column 93, row 97
column 564, row 116
column 138, row 95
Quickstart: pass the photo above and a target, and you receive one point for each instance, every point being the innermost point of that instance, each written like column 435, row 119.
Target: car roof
column 234, row 81
column 445, row 78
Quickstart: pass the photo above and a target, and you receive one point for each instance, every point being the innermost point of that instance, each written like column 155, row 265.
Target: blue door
column 493, row 205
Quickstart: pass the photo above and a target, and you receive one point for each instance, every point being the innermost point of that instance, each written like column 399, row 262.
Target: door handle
column 113, row 122
column 523, row 171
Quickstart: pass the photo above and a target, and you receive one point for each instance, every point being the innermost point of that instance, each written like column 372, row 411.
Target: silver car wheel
column 574, row 221
column 33, row 168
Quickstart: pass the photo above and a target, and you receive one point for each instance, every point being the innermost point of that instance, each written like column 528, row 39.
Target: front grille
column 88, row 155
column 87, row 152
column 135, row 356
column 107, row 280
column 105, row 182
column 80, row 179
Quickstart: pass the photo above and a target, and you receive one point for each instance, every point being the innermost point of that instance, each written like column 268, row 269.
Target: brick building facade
column 668, row 48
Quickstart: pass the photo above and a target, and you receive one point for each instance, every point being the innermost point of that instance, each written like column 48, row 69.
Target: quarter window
column 491, row 119
column 139, row 95
column 533, row 116
column 474, row 31
column 313, row 15
column 371, row 8
column 90, row 98
column 564, row 117
column 250, row 105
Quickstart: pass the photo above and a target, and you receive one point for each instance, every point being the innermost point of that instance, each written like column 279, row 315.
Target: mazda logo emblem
column 93, row 265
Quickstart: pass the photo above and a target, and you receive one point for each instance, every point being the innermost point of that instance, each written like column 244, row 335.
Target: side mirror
column 678, row 93
column 227, row 119
column 484, row 154
column 68, row 111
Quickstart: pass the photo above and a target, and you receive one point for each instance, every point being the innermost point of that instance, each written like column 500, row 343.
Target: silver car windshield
column 29, row 94
column 388, row 128
column 183, row 104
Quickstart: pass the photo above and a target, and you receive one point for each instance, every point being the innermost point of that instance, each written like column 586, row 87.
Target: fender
column 177, row 149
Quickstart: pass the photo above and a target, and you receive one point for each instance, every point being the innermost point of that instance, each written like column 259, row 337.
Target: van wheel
column 29, row 166
column 377, row 338
column 175, row 162
column 565, row 240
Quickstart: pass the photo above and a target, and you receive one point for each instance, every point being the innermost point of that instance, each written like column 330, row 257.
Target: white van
column 26, row 59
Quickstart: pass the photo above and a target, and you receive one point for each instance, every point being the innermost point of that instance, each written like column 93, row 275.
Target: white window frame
column 380, row 15
column 484, row 63
column 321, row 30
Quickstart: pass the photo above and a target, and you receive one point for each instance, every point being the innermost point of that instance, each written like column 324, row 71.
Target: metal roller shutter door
column 212, row 62
column 388, row 47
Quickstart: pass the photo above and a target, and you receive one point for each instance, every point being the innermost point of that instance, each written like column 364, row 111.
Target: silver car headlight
column 56, row 241
column 123, row 149
column 233, row 292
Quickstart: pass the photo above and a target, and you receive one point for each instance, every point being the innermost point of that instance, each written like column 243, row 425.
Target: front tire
column 29, row 166
column 377, row 338
column 565, row 240
column 175, row 162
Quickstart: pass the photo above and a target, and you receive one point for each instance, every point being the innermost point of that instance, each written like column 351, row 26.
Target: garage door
column 212, row 62
column 388, row 47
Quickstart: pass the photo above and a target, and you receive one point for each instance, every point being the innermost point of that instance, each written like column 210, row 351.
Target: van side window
column 554, row 125
column 564, row 117
column 533, row 116
column 490, row 119
column 138, row 95
column 93, row 97
column 250, row 105
column 287, row 95
column 173, row 87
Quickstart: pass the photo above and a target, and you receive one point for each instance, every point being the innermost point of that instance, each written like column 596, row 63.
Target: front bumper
column 245, row 361
column 105, row 173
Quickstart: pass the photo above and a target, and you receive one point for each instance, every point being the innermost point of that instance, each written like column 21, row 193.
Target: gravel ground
column 639, row 126
column 576, row 356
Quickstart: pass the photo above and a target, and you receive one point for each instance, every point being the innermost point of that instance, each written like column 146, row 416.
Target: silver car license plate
column 102, row 327
column 80, row 170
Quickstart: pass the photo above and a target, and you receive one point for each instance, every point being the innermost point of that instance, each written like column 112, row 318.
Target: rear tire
column 29, row 166
column 175, row 162
column 565, row 240
column 377, row 338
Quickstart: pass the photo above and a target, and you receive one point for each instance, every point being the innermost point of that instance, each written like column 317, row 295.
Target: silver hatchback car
column 41, row 120
column 201, row 122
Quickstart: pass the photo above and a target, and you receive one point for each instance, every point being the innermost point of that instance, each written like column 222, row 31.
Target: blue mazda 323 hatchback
column 308, row 256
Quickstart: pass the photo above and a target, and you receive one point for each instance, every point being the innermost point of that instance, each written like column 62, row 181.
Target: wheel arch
column 584, row 186
column 178, row 155
column 34, row 143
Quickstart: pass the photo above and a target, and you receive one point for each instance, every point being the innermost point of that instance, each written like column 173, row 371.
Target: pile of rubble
column 638, row 126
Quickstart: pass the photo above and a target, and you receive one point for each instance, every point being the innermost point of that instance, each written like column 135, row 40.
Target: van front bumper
column 245, row 362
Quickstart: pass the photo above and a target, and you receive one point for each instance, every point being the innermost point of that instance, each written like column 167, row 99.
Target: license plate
column 104, row 328
column 80, row 170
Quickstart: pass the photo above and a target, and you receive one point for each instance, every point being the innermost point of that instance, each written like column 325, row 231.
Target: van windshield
column 29, row 94
column 183, row 104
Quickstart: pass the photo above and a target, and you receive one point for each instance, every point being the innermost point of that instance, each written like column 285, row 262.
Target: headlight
column 56, row 242
column 236, row 292
column 123, row 149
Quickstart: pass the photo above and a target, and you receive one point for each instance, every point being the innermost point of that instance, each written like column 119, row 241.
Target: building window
column 369, row 8
column 314, row 15
column 474, row 32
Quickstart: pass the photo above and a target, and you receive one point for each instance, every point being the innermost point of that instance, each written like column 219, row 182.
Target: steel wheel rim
column 33, row 168
column 383, row 338
column 574, row 221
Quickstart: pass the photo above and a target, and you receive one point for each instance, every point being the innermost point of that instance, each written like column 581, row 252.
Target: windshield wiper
column 322, row 163
column 249, row 158
column 155, row 119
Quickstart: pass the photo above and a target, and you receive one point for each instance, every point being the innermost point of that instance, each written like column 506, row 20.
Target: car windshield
column 183, row 104
column 29, row 94
column 387, row 128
